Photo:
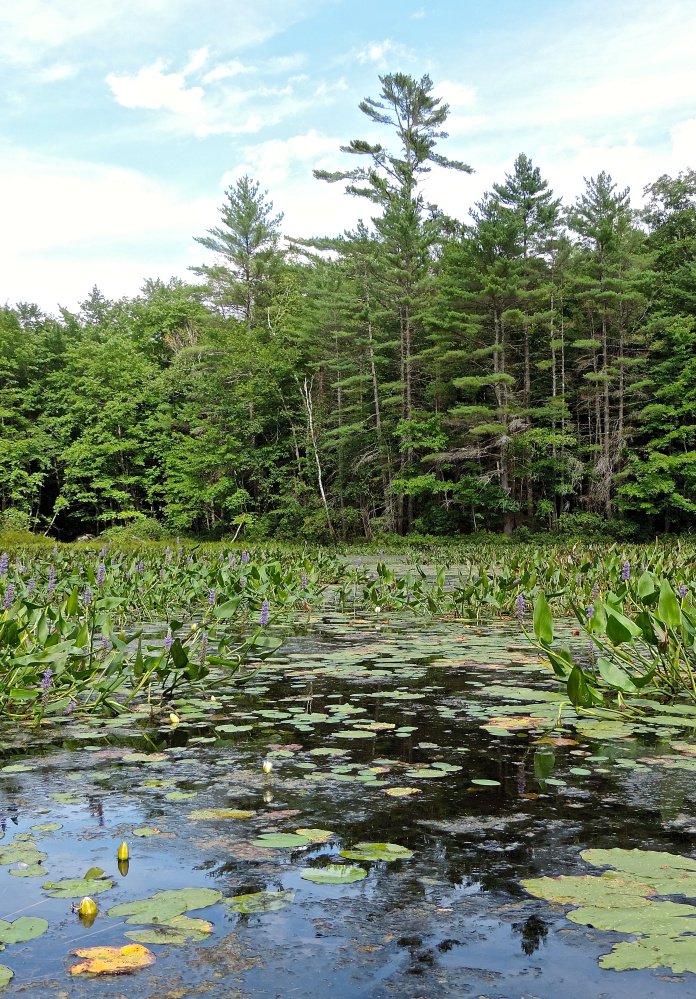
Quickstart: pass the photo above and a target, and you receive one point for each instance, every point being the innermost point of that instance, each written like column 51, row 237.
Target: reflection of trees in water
column 533, row 932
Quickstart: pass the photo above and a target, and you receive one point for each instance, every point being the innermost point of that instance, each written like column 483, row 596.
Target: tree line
column 532, row 366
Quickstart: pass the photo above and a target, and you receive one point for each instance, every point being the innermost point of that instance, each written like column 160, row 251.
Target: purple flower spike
column 87, row 597
column 101, row 574
column 141, row 567
column 590, row 612
column 245, row 558
column 46, row 682
column 304, row 580
column 168, row 641
column 520, row 606
column 31, row 586
column 595, row 591
column 4, row 562
column 625, row 572
column 211, row 597
column 8, row 599
column 682, row 591
column 242, row 582
column 263, row 616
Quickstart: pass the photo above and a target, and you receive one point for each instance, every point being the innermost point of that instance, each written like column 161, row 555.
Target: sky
column 122, row 122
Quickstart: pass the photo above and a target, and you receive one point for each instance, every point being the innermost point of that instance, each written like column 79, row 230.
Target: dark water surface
column 451, row 921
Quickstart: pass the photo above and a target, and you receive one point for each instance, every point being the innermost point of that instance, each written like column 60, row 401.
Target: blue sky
column 124, row 120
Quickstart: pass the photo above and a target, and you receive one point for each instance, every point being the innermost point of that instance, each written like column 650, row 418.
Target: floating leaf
column 377, row 851
column 180, row 795
column 653, row 952
column 333, row 874
column 163, row 906
column 112, row 960
column 147, row 831
column 71, row 887
column 402, row 792
column 176, row 931
column 220, row 813
column 316, row 835
column 6, row 975
column 260, row 901
column 275, row 840
column 482, row 782
column 48, row 827
column 22, row 929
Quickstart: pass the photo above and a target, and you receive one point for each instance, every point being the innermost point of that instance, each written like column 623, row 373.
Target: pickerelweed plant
column 639, row 640
column 74, row 631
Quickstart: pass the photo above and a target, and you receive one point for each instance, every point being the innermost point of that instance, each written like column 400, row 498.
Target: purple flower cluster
column 304, row 580
column 31, row 586
column 590, row 612
column 51, row 579
column 140, row 567
column 625, row 572
column 4, row 562
column 263, row 616
column 87, row 597
column 46, row 684
column 682, row 591
column 242, row 582
column 8, row 598
column 231, row 561
column 101, row 574
column 245, row 557
column 168, row 641
column 520, row 606
column 211, row 597
column 167, row 555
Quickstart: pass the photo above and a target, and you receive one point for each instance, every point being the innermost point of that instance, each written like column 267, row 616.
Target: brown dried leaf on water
column 112, row 960
column 556, row 741
column 512, row 722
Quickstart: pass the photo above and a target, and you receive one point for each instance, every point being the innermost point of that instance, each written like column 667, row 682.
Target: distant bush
column 140, row 528
column 13, row 519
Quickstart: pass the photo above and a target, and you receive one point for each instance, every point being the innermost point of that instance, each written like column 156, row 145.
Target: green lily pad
column 21, row 853
column 17, row 768
column 482, row 782
column 377, row 851
column 29, row 871
column 6, row 975
column 145, row 832
column 653, row 952
column 163, row 906
column 280, row 840
column 22, row 929
column 180, row 795
column 259, row 901
column 333, row 874
column 72, row 887
column 653, row 919
column 176, row 931
column 48, row 827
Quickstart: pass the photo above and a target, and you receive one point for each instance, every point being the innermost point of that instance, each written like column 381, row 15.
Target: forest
column 530, row 366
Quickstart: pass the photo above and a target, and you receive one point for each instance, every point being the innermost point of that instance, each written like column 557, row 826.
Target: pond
column 435, row 737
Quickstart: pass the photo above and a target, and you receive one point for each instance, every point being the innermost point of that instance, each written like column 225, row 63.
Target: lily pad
column 163, row 906
column 6, row 975
column 316, row 835
column 176, row 931
column 112, row 960
column 402, row 792
column 653, row 952
column 202, row 814
column 333, row 874
column 377, row 851
column 259, row 901
column 72, row 887
column 275, row 840
column 22, row 929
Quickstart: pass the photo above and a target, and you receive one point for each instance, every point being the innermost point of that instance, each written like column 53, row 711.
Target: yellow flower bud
column 122, row 852
column 174, row 719
column 267, row 766
column 87, row 907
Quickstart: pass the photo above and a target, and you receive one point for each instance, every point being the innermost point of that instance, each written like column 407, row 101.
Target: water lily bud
column 267, row 766
column 193, row 626
column 122, row 852
column 173, row 719
column 87, row 907
column 377, row 610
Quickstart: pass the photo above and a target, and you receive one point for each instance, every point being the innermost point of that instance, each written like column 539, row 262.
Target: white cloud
column 155, row 89
column 380, row 53
column 211, row 105
column 93, row 223
column 56, row 73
